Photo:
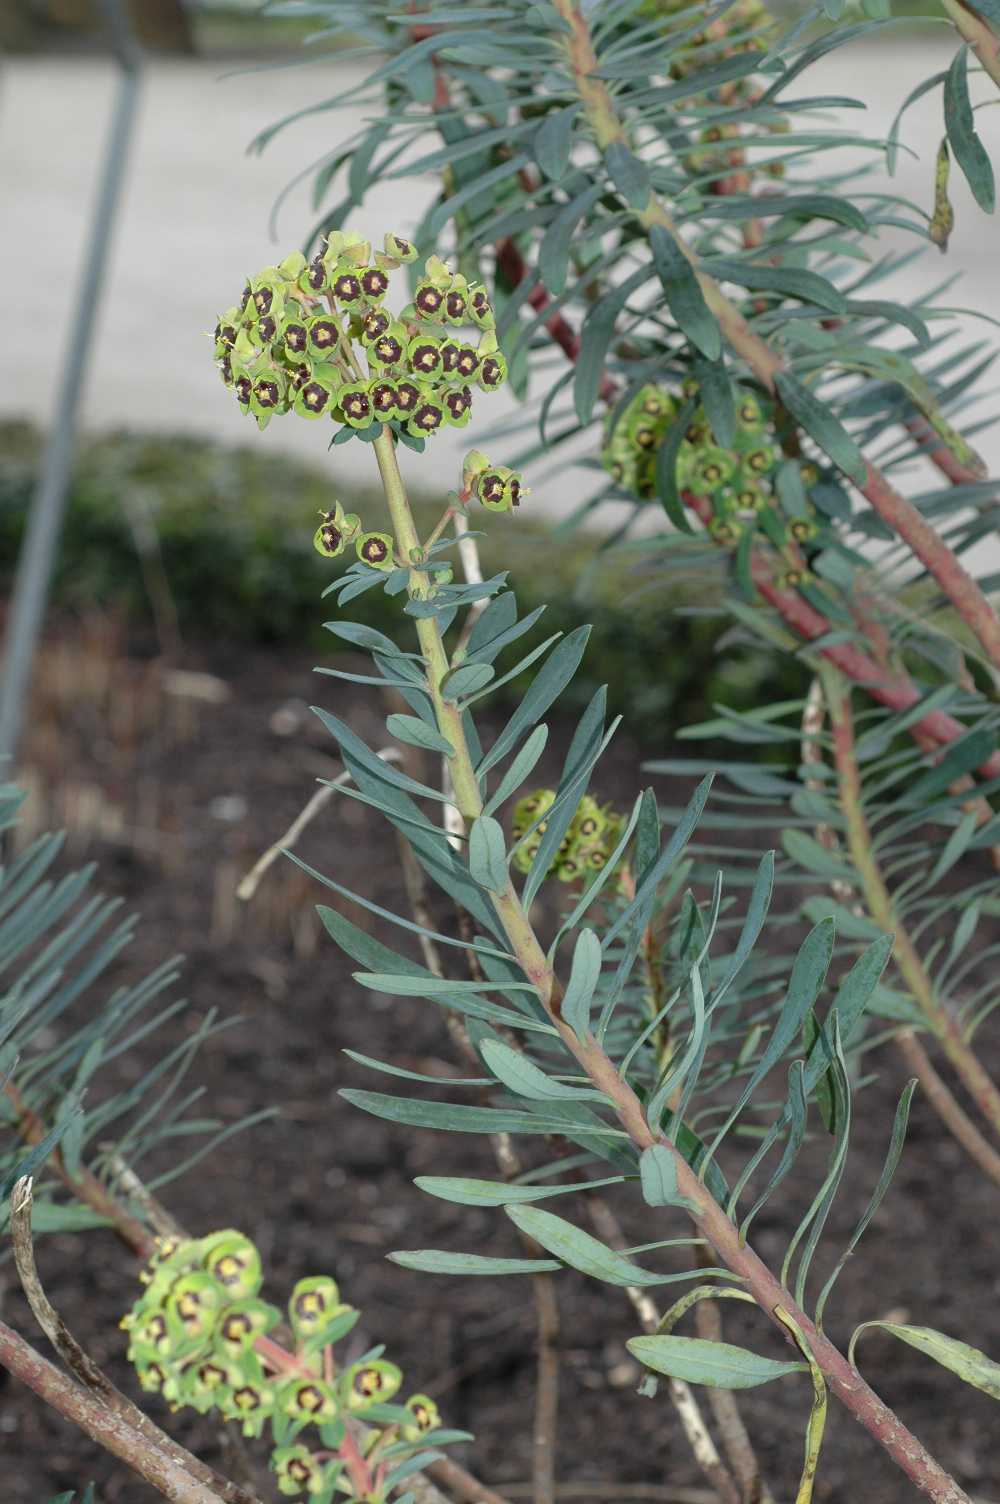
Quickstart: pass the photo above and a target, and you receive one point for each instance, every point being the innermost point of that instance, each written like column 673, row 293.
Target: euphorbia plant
column 646, row 186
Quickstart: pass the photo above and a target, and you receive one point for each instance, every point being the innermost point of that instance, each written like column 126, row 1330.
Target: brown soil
column 176, row 805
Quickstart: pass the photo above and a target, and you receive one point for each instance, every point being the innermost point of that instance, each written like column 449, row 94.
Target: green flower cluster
column 738, row 481
column 338, row 529
column 497, row 487
column 314, row 338
column 587, row 845
column 198, row 1336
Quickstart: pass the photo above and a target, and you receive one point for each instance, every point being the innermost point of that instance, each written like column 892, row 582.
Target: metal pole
column 34, row 570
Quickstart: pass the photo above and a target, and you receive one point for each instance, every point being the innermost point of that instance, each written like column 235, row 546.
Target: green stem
column 709, row 1218
column 878, row 899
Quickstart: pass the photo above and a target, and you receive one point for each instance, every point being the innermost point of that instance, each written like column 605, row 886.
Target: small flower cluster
column 314, row 338
column 738, row 481
column 587, row 845
column 497, row 487
column 198, row 1336
column 338, row 529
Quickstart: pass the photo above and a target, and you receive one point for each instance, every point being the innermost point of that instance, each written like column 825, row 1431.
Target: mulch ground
column 324, row 1188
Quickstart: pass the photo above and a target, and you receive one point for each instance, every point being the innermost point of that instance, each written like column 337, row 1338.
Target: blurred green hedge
column 234, row 531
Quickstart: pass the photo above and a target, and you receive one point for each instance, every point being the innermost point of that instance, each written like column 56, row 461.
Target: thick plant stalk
column 766, row 363
column 174, row 1481
column 710, row 1220
column 878, row 900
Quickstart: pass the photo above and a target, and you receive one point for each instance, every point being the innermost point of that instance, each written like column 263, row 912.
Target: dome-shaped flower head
column 269, row 394
column 250, row 1401
column 233, row 1260
column 428, row 300
column 375, row 549
column 492, row 489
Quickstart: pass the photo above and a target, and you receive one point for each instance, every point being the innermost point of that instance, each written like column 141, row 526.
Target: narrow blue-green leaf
column 683, row 293
column 963, row 756
column 666, row 469
column 498, row 1193
column 554, row 251
column 466, row 680
column 821, row 424
column 521, row 1076
column 452, row 1117
column 628, row 173
column 790, row 281
column 520, row 768
column 579, row 1250
column 716, row 392
column 896, row 1141
column 720, row 1365
column 441, row 1261
column 416, row 733
column 423, row 985
column 808, row 975
column 487, row 854
column 598, row 331
column 547, row 684
column 585, row 973
column 554, row 141
column 968, row 1363
column 970, row 153
column 658, row 1175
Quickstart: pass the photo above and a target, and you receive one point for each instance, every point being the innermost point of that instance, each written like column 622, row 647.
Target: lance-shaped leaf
column 487, row 854
column 683, row 293
column 580, row 1251
column 720, row 1365
column 584, row 975
column 822, row 425
column 546, row 686
column 970, row 153
column 554, row 140
column 441, row 1261
column 453, row 1117
column 658, row 1175
column 972, row 1366
column 524, row 1078
column 468, row 1192
column 416, row 733
column 628, row 173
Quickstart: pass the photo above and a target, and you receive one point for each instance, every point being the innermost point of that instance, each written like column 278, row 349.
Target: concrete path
column 195, row 221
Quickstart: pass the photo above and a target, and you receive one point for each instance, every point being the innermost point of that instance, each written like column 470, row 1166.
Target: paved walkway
column 195, row 220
